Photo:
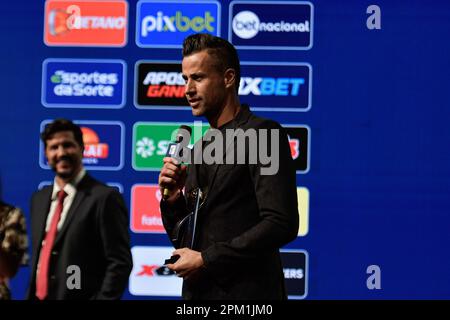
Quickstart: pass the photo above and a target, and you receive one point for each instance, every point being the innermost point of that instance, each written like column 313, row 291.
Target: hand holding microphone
column 173, row 175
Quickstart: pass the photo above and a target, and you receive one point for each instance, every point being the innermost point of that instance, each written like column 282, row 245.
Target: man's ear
column 230, row 78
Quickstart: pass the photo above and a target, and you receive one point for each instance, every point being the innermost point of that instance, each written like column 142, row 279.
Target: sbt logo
column 178, row 22
column 268, row 86
column 150, row 142
column 147, row 147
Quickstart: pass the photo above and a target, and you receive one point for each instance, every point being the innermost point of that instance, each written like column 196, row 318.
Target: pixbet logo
column 165, row 24
column 178, row 22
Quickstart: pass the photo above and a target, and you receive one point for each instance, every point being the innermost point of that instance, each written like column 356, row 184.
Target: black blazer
column 244, row 221
column 94, row 237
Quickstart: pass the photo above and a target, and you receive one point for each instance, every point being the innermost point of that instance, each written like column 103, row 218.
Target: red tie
column 44, row 260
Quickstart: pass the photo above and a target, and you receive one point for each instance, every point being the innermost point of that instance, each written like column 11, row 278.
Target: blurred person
column 79, row 226
column 13, row 245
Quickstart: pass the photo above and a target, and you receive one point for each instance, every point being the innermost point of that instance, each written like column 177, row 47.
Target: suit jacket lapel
column 240, row 119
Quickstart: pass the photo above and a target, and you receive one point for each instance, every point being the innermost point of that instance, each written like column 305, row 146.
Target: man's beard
column 66, row 174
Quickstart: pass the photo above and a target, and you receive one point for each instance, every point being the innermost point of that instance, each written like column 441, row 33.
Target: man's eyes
column 65, row 145
column 193, row 77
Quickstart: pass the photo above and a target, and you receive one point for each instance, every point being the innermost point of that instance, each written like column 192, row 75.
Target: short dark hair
column 225, row 53
column 59, row 125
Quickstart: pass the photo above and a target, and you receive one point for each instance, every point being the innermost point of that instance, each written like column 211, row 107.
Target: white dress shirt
column 71, row 190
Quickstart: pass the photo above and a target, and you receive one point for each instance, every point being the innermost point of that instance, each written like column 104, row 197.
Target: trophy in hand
column 184, row 231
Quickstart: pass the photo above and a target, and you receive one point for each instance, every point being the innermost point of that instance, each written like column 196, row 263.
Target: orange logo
column 92, row 146
column 295, row 148
column 86, row 23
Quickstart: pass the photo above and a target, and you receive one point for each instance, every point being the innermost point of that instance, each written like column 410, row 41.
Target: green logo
column 151, row 139
column 56, row 78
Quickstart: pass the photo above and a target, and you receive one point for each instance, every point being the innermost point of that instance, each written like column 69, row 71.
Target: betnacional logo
column 295, row 269
column 150, row 142
column 145, row 212
column 275, row 25
column 103, row 145
column 80, row 83
column 299, row 141
column 274, row 86
column 159, row 85
column 149, row 276
column 86, row 23
column 165, row 24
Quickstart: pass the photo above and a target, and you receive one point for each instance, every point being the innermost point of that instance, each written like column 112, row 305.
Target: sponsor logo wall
column 148, row 95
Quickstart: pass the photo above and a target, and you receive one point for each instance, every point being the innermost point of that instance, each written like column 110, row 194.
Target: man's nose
column 61, row 151
column 189, row 88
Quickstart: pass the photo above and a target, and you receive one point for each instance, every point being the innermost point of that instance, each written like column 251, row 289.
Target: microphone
column 175, row 149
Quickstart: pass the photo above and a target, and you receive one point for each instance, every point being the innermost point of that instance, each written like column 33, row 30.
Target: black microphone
column 175, row 150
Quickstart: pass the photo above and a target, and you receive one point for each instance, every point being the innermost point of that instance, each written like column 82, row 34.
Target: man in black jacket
column 248, row 210
column 81, row 245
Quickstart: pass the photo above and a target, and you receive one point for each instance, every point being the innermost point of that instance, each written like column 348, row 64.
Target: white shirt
column 71, row 190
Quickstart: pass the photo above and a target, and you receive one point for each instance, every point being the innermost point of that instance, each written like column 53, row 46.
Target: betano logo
column 177, row 22
column 93, row 148
column 91, row 23
column 270, row 86
column 246, row 25
column 84, row 84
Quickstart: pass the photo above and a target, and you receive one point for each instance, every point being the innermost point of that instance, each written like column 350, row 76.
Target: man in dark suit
column 247, row 212
column 80, row 240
